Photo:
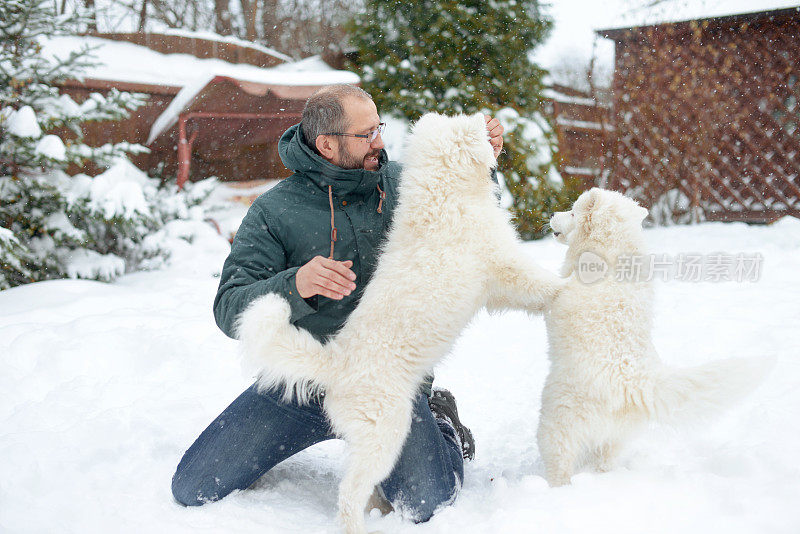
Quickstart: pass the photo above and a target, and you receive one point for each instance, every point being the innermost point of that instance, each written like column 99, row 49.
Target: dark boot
column 443, row 406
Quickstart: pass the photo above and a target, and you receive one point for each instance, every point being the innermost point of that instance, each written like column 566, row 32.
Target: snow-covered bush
column 14, row 259
column 97, row 228
column 53, row 225
column 674, row 207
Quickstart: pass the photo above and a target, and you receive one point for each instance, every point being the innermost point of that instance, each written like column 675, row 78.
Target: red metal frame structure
column 230, row 129
column 185, row 144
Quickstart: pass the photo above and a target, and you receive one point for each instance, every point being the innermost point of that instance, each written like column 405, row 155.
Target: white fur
column 606, row 379
column 451, row 251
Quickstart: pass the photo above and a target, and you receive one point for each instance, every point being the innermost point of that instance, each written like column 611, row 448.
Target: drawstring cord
column 333, row 221
column 382, row 197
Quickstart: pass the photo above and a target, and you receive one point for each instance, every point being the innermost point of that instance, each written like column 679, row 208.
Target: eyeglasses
column 370, row 137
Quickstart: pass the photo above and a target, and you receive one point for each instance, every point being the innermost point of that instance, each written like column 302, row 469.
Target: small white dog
column 451, row 250
column 606, row 379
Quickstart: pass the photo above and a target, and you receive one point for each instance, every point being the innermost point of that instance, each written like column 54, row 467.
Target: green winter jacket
column 291, row 223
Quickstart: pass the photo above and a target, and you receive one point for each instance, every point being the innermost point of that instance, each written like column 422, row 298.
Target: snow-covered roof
column 128, row 62
column 685, row 10
column 211, row 36
column 184, row 99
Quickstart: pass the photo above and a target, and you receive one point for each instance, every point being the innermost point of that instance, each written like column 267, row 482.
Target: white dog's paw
column 352, row 520
column 553, row 286
column 546, row 289
column 557, row 480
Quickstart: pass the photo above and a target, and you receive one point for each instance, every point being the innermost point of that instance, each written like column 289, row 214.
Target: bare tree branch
column 143, row 17
column 222, row 17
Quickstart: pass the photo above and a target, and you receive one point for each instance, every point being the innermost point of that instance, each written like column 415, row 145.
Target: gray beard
column 350, row 162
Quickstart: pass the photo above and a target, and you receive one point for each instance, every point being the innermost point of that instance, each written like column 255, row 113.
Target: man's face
column 355, row 152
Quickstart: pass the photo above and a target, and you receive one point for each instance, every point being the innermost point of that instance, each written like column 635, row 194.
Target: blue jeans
column 259, row 430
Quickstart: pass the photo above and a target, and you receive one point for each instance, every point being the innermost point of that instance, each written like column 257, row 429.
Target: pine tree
column 469, row 56
column 53, row 225
column 30, row 98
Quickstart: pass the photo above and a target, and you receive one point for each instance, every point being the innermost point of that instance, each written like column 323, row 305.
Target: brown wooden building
column 135, row 128
column 231, row 125
column 582, row 125
column 229, row 128
column 706, row 116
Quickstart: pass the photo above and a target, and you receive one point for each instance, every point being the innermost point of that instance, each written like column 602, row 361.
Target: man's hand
column 322, row 276
column 495, row 130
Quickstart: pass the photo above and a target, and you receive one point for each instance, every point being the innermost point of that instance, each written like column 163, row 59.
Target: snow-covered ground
column 104, row 386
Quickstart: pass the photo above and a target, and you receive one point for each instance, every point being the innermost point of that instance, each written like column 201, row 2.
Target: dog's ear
column 586, row 206
column 590, row 206
column 470, row 143
column 593, row 196
column 641, row 213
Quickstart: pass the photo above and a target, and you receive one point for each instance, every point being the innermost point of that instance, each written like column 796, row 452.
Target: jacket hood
column 297, row 156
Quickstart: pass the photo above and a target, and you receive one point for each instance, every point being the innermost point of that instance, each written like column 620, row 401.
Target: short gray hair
column 324, row 112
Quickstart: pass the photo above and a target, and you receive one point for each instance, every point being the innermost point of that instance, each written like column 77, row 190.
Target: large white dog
column 451, row 250
column 606, row 379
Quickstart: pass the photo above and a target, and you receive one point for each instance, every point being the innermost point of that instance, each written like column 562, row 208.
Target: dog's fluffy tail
column 698, row 393
column 284, row 356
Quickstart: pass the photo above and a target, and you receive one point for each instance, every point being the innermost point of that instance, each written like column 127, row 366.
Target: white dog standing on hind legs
column 606, row 380
column 451, row 251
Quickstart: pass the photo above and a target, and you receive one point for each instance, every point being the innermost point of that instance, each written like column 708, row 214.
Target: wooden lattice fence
column 707, row 117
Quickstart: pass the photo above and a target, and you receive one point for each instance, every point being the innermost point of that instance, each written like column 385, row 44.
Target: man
column 314, row 239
